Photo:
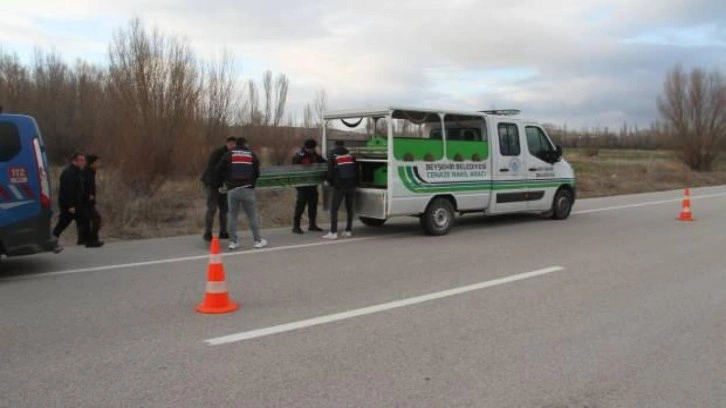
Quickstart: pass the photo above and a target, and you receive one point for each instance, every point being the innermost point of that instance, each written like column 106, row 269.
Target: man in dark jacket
column 343, row 177
column 240, row 170
column 70, row 198
column 215, row 199
column 307, row 195
column 93, row 218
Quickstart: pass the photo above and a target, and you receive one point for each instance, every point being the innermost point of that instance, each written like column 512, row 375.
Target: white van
column 434, row 164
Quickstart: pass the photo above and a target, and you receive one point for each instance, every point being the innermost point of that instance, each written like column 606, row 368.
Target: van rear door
column 24, row 222
column 16, row 193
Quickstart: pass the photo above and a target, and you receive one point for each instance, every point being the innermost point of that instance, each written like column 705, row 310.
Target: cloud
column 599, row 62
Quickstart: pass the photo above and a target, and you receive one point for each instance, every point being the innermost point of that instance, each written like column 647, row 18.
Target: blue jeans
column 248, row 199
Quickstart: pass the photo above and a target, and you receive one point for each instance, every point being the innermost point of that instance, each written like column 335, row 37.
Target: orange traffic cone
column 217, row 299
column 686, row 207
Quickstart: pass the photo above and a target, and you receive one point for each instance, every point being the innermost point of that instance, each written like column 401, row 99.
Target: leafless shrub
column 154, row 85
column 15, row 84
column 694, row 108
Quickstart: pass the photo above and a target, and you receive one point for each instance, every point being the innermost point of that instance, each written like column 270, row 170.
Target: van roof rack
column 502, row 112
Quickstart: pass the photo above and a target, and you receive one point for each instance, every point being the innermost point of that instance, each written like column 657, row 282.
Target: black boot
column 296, row 226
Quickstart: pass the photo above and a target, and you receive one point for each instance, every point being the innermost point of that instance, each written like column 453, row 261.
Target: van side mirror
column 558, row 152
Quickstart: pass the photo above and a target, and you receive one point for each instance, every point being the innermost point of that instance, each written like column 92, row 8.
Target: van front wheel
column 439, row 217
column 562, row 205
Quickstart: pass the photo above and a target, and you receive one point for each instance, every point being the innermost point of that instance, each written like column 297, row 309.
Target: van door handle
column 532, row 169
column 504, row 170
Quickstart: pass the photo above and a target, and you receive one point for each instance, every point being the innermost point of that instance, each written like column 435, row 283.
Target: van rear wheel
column 372, row 222
column 562, row 205
column 439, row 217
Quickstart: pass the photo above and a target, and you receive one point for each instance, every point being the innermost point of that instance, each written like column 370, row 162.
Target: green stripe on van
column 414, row 184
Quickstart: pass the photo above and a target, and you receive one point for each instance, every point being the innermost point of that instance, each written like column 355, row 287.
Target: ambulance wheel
column 372, row 222
column 562, row 204
column 439, row 217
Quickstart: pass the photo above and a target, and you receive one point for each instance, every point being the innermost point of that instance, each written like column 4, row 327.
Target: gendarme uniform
column 343, row 177
column 307, row 196
column 240, row 170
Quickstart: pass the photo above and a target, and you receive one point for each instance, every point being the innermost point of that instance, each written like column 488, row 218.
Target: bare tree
column 90, row 102
column 281, row 86
column 321, row 105
column 253, row 105
column 307, row 120
column 155, row 86
column 55, row 82
column 219, row 99
column 15, row 84
column 267, row 89
column 693, row 106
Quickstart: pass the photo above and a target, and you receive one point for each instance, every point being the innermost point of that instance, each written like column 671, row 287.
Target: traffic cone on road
column 217, row 299
column 686, row 207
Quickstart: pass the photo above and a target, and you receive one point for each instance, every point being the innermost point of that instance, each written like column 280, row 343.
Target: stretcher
column 298, row 175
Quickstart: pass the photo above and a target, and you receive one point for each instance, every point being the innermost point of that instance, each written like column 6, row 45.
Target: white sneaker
column 347, row 234
column 233, row 245
column 331, row 235
column 261, row 244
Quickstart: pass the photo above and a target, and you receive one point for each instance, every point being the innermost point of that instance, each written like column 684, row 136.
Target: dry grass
column 178, row 207
column 634, row 171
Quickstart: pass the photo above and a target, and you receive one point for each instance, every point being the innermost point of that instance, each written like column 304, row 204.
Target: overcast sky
column 584, row 63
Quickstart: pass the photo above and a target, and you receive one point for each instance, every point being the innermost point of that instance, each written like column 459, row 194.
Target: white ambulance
column 434, row 164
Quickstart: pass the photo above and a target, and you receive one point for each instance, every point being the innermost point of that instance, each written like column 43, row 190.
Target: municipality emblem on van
column 515, row 165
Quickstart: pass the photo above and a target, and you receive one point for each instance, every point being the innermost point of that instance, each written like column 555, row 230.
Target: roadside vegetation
column 153, row 111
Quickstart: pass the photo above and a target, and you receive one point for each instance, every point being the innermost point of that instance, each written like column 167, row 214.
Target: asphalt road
column 619, row 306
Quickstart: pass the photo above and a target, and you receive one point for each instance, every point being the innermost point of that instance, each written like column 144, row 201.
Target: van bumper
column 28, row 237
column 31, row 249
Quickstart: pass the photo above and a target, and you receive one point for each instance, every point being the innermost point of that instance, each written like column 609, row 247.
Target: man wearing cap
column 307, row 195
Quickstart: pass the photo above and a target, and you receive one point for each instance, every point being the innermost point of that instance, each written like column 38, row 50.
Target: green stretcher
column 292, row 176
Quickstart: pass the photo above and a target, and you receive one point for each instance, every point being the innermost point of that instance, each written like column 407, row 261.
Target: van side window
column 538, row 143
column 10, row 144
column 462, row 134
column 509, row 139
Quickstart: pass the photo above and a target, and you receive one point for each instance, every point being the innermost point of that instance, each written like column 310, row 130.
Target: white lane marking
column 647, row 203
column 302, row 324
column 194, row 258
column 315, row 244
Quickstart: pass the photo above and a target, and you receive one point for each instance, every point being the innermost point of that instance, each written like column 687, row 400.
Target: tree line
column 154, row 110
column 692, row 109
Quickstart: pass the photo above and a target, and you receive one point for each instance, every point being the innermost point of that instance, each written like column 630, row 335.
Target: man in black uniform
column 343, row 177
column 215, row 199
column 307, row 195
column 89, row 203
column 70, row 198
